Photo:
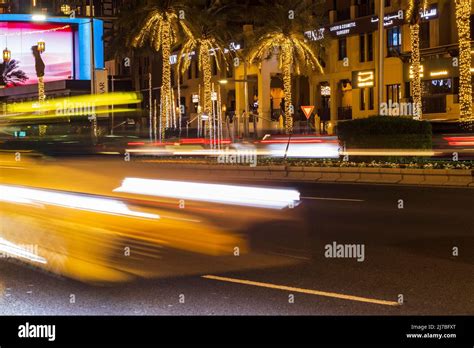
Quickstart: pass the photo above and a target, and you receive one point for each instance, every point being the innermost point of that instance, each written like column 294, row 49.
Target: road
column 408, row 235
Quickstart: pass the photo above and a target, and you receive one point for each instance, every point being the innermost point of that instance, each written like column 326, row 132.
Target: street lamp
column 41, row 46
column 7, row 55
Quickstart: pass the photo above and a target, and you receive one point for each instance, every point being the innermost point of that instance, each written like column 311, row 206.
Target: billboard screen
column 58, row 56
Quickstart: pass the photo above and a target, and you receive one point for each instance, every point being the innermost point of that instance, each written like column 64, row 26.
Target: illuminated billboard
column 68, row 45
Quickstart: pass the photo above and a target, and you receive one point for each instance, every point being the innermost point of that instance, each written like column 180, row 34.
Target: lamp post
column 381, row 53
column 245, row 81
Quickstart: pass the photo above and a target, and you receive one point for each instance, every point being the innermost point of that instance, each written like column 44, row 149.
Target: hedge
column 385, row 132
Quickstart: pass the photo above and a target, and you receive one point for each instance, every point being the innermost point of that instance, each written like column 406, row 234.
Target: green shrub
column 385, row 132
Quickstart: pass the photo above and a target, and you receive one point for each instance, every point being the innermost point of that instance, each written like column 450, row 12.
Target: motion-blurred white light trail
column 9, row 249
column 216, row 193
column 23, row 195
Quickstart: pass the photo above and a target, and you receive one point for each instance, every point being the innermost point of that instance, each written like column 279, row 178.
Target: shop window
column 394, row 93
column 394, row 41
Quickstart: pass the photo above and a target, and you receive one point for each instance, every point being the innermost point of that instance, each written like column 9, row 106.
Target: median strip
column 304, row 291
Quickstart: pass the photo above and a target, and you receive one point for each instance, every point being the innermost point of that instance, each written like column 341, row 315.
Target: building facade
column 348, row 89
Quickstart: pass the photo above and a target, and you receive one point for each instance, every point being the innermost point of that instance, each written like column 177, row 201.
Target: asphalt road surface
column 418, row 258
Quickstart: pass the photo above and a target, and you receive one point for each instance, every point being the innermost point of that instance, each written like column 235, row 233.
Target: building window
column 230, row 72
column 343, row 8
column 371, row 98
column 214, row 66
column 366, row 7
column 394, row 41
column 425, row 34
column 362, row 48
column 190, row 72
column 394, row 93
column 362, row 98
column 342, row 48
column 196, row 69
column 370, row 47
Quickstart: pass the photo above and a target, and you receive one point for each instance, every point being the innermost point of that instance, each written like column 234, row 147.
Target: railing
column 344, row 113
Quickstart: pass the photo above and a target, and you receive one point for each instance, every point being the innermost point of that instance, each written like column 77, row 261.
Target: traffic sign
column 308, row 110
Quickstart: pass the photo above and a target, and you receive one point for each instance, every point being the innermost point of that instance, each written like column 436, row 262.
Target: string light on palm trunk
column 415, row 64
column 463, row 12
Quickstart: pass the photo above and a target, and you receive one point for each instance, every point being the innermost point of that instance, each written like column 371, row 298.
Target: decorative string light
column 414, row 11
column 161, row 31
column 463, row 12
column 415, row 63
column 21, row 33
column 294, row 53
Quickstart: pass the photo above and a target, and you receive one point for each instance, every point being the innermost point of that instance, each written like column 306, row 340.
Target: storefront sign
column 363, row 79
column 367, row 24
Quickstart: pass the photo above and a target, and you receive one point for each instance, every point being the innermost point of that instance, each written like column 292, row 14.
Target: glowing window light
column 216, row 193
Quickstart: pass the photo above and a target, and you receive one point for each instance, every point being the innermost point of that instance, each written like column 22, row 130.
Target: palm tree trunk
column 41, row 94
column 463, row 12
column 286, row 58
column 415, row 66
column 207, row 76
column 166, row 101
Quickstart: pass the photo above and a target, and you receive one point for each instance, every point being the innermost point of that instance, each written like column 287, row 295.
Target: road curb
column 404, row 176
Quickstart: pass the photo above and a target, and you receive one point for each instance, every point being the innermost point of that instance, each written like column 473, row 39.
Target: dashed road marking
column 304, row 291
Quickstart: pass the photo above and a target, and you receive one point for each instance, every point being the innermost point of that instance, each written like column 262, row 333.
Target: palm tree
column 161, row 29
column 282, row 34
column 206, row 36
column 463, row 12
column 10, row 74
column 415, row 7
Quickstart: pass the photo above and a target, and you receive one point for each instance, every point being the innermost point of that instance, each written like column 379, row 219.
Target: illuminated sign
column 362, row 79
column 325, row 90
column 367, row 24
column 439, row 73
column 342, row 29
column 68, row 44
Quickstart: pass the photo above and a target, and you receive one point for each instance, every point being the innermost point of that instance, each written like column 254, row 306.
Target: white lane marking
column 304, row 291
column 333, row 199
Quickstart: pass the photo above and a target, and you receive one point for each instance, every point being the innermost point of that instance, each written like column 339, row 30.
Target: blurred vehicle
column 142, row 227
